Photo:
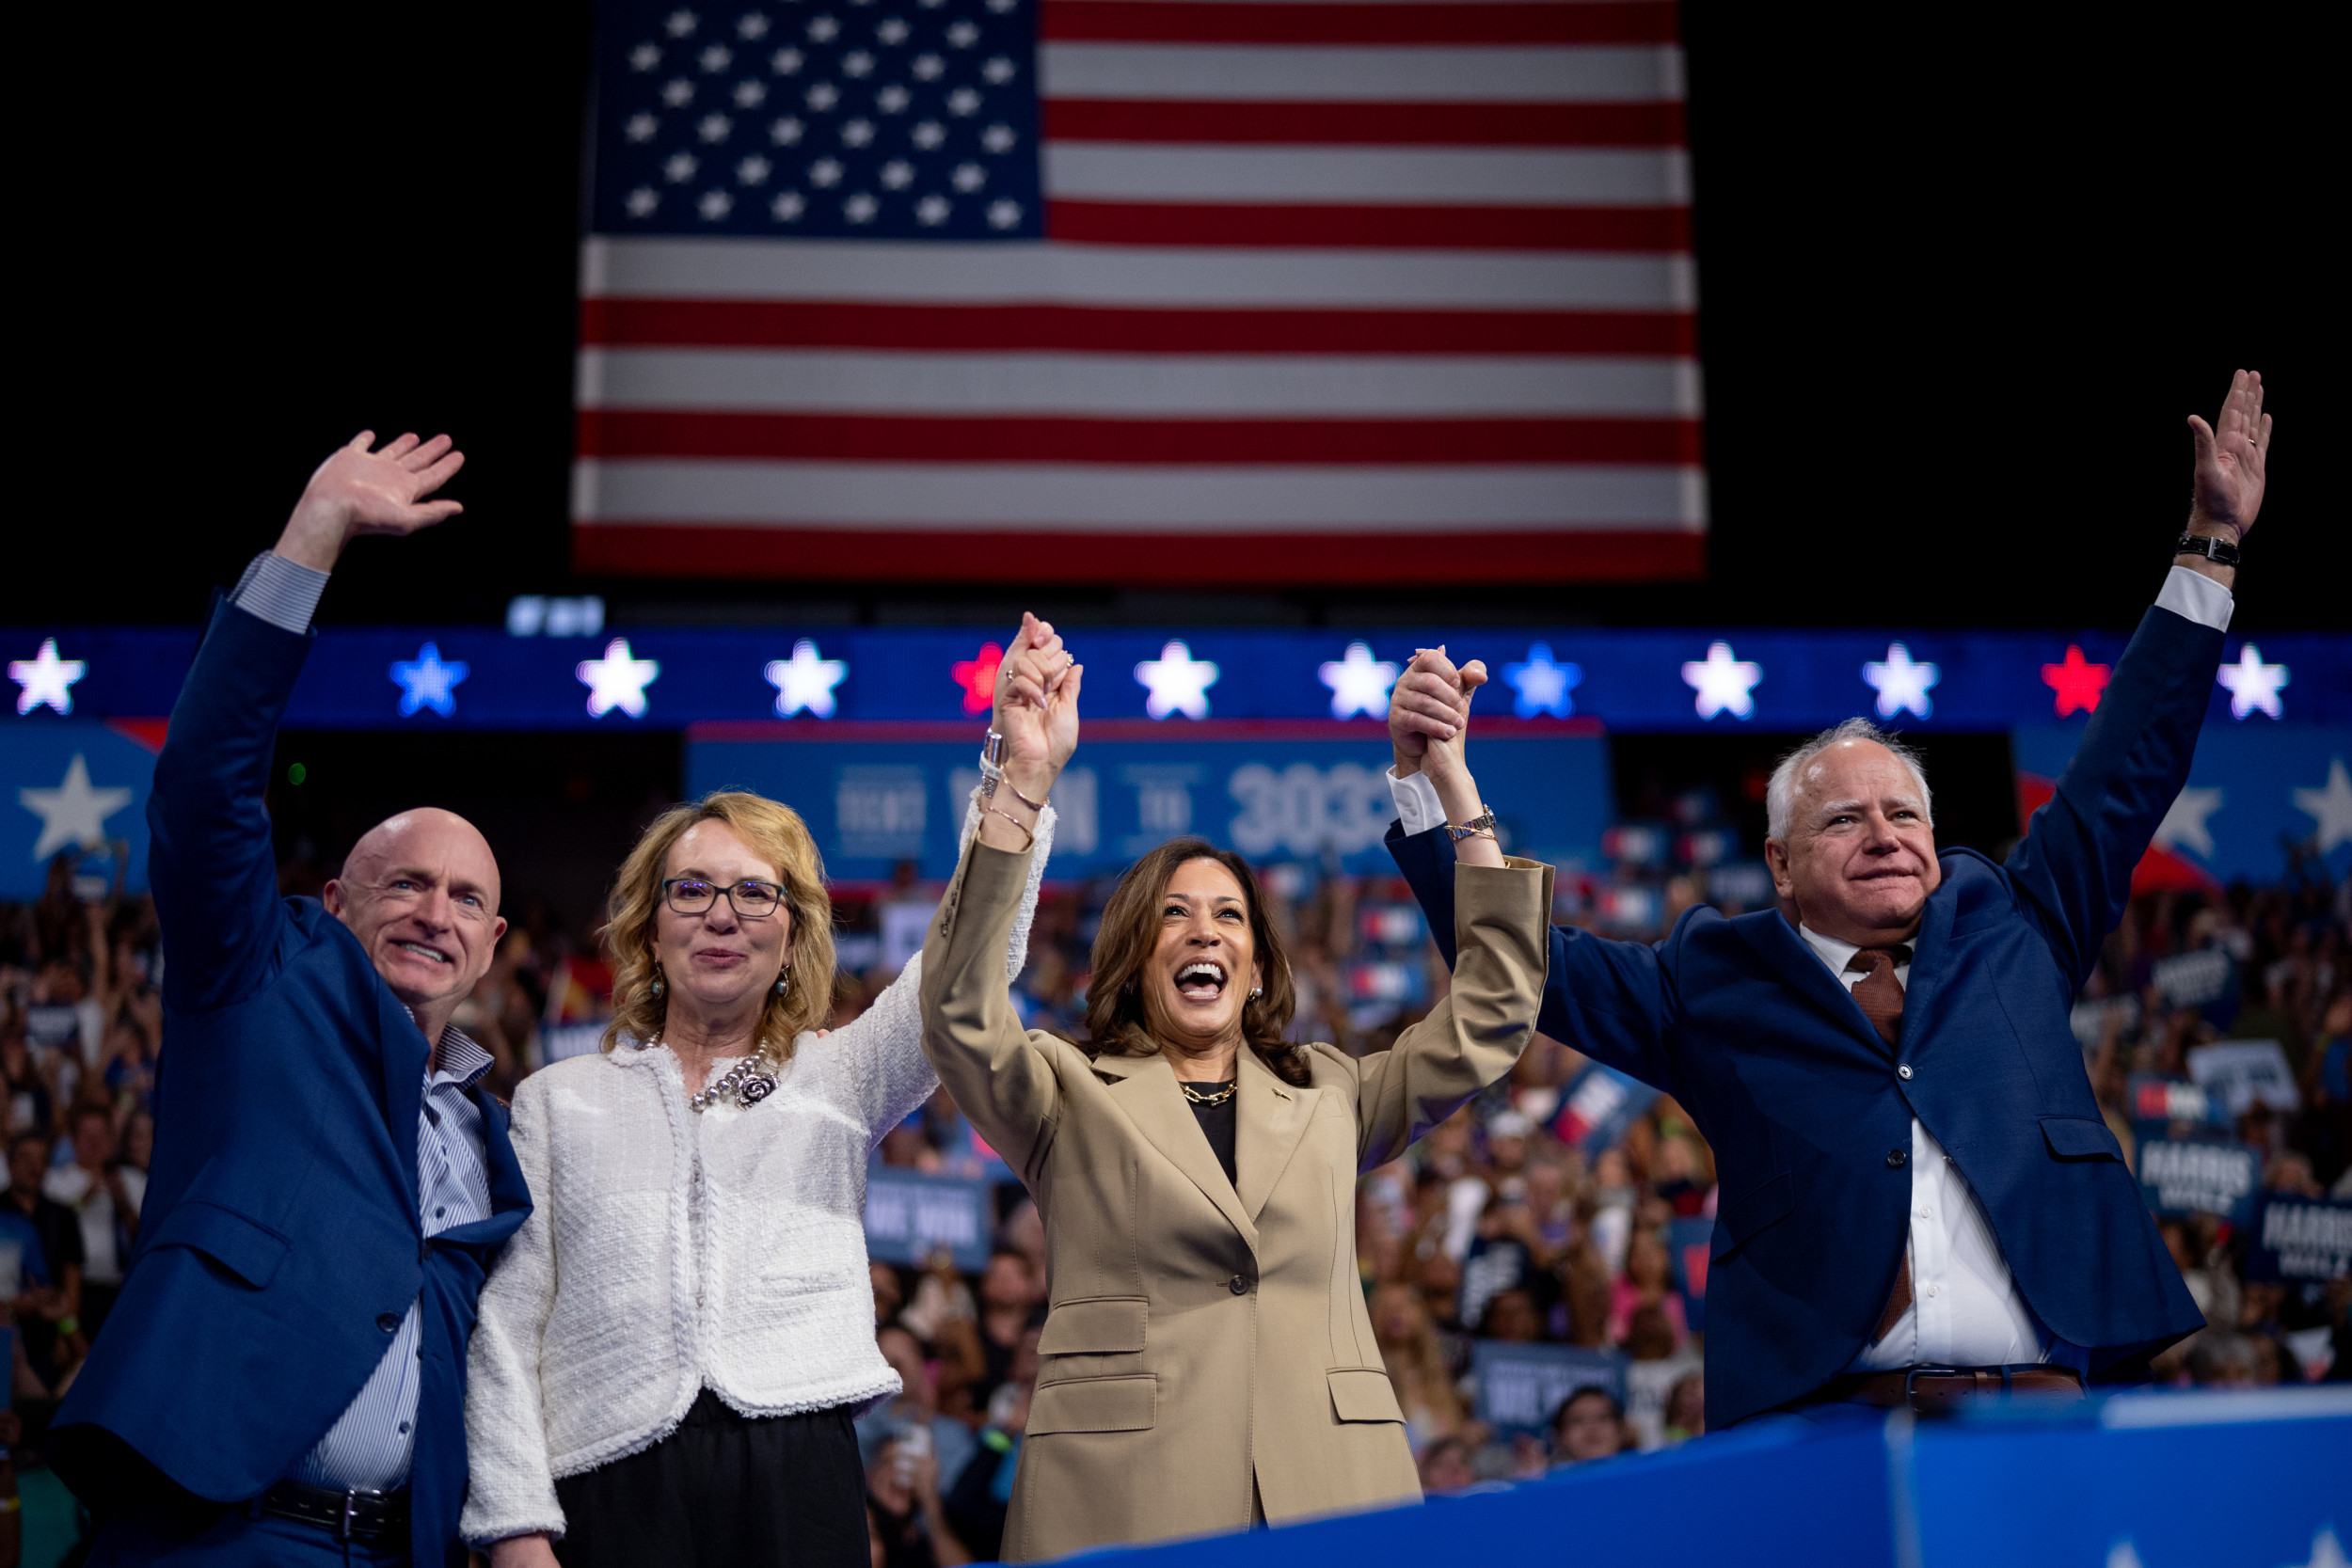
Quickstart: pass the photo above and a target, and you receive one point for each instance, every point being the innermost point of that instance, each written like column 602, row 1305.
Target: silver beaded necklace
column 745, row 1081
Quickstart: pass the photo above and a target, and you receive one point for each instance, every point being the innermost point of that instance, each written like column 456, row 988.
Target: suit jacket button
column 1896, row 1158
column 388, row 1320
column 1239, row 1286
column 1903, row 1072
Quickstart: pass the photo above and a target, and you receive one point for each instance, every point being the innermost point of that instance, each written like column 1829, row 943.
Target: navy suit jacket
column 279, row 1245
column 1740, row 1022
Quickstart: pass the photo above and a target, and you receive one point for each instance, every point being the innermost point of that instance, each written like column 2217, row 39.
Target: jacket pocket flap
column 2080, row 1138
column 1752, row 1211
column 1095, row 1404
column 1104, row 1325
column 248, row 1250
column 1362, row 1394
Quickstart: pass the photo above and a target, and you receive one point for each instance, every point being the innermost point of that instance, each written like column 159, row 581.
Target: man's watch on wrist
column 2221, row 552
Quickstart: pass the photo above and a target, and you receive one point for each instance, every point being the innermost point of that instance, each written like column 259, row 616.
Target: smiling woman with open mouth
column 1208, row 1362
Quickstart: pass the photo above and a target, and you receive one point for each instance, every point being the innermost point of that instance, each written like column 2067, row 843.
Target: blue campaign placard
column 71, row 786
column 1597, row 1107
column 2299, row 1239
column 1688, row 1244
column 2189, row 1176
column 1519, row 1386
column 910, row 1215
column 871, row 804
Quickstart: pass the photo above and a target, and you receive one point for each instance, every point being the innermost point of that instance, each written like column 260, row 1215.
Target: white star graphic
column 1723, row 682
column 860, row 208
column 677, row 92
column 964, row 100
column 823, row 29
column 968, row 178
column 1900, row 682
column 998, row 71
column 2185, row 823
column 1003, row 214
column 753, row 170
column 788, row 206
column 928, row 134
column 47, row 678
column 892, row 31
column 784, row 131
column 680, row 167
column 998, row 138
column 857, row 62
column 750, row 95
column 644, row 57
column 1178, row 682
column 963, row 35
column 73, row 813
column 825, row 173
column 893, row 99
column 1543, row 686
column 2330, row 807
column 715, row 205
column 641, row 201
column 426, row 681
column 2253, row 684
column 1358, row 682
column 785, row 61
column 718, row 58
column 857, row 132
column 681, row 22
column 714, row 128
column 821, row 96
column 618, row 680
column 806, row 681
column 933, row 210
column 752, row 26
column 898, row 174
column 641, row 127
column 928, row 67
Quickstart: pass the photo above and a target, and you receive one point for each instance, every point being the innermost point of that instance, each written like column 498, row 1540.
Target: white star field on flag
column 912, row 119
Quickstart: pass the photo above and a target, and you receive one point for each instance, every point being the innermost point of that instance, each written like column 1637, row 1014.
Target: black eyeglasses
column 748, row 899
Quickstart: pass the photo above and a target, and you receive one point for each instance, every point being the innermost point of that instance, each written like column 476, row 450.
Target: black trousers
column 725, row 1490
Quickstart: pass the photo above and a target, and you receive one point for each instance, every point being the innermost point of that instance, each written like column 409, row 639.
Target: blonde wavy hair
column 776, row 834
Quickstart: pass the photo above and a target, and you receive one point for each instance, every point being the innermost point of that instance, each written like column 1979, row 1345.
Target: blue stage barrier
column 2250, row 1479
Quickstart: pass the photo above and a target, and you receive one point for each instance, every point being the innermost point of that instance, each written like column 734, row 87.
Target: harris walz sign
column 2299, row 1239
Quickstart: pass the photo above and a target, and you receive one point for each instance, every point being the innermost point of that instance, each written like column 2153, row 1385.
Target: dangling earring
column 659, row 986
column 783, row 981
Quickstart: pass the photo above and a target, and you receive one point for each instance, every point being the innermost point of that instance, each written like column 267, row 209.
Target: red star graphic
column 977, row 676
column 2077, row 682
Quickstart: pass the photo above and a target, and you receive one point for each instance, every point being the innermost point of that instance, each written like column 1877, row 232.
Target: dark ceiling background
column 1962, row 274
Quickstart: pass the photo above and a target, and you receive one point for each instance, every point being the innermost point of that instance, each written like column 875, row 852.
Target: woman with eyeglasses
column 672, row 1347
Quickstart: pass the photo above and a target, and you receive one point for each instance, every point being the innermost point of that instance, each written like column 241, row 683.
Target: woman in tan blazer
column 1207, row 1358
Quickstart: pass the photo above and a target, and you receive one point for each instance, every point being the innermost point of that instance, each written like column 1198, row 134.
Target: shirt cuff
column 283, row 592
column 1417, row 807
column 2194, row 596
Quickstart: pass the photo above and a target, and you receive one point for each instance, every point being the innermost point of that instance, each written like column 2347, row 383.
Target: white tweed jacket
column 668, row 1252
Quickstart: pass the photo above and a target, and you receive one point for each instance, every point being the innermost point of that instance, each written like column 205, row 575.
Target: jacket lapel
column 1930, row 952
column 1769, row 933
column 405, row 1052
column 1273, row 1117
column 1145, row 1089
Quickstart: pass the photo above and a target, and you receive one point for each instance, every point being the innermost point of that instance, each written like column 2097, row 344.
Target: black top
column 1217, row 1122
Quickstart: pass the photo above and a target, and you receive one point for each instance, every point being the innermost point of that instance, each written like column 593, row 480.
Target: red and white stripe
column 1326, row 279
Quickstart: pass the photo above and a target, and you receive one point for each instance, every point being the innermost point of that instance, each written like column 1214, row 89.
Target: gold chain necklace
column 1216, row 1098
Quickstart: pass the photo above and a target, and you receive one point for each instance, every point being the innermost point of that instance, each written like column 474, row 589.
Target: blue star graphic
column 427, row 682
column 1543, row 686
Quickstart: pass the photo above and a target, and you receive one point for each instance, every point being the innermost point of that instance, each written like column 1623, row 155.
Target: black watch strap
column 2219, row 551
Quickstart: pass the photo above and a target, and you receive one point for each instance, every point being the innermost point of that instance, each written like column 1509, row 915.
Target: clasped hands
column 1037, row 713
column 1428, row 723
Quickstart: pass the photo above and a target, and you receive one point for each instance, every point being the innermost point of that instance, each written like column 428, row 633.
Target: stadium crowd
column 1520, row 1222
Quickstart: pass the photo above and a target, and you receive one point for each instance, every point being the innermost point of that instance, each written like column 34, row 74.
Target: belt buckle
column 351, row 1509
column 1911, row 1379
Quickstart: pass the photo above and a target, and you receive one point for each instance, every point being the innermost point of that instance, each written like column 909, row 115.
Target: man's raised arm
column 211, row 862
column 2076, row 860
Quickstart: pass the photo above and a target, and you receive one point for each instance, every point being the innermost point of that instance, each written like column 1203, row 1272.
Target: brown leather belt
column 1935, row 1390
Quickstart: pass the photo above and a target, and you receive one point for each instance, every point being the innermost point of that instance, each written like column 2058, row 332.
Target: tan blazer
column 1205, row 1346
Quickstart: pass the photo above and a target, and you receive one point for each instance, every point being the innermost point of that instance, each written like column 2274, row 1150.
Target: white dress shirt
column 1964, row 1307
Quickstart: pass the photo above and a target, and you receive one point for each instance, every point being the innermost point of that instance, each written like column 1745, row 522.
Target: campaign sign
column 1519, row 1386
column 910, row 1215
column 2164, row 1101
column 1598, row 1105
column 1688, row 1242
column 2300, row 1238
column 2239, row 1072
column 873, row 803
column 2188, row 1176
column 66, row 786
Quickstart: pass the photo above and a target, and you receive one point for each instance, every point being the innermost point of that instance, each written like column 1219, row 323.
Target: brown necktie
column 1879, row 996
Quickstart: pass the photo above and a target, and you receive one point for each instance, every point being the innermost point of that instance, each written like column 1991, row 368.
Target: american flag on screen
column 1148, row 290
